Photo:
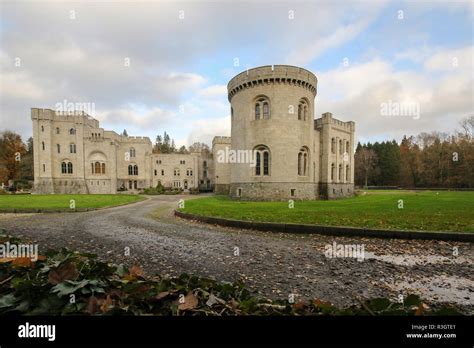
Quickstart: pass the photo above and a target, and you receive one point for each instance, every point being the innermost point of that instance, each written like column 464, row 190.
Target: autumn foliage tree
column 12, row 154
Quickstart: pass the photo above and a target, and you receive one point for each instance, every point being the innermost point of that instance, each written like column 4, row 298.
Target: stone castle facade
column 292, row 155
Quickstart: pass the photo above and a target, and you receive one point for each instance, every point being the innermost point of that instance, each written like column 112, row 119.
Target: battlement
column 328, row 119
column 134, row 139
column 64, row 116
column 269, row 74
column 221, row 140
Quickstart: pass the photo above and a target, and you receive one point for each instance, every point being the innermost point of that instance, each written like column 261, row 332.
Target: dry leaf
column 22, row 262
column 136, row 271
column 106, row 304
column 66, row 271
column 92, row 305
column 190, row 302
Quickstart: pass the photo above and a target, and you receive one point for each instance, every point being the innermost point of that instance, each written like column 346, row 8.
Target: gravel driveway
column 272, row 264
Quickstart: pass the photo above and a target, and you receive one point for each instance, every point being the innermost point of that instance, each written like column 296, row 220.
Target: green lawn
column 427, row 210
column 62, row 202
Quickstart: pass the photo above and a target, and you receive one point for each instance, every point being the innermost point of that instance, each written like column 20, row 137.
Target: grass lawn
column 55, row 202
column 424, row 211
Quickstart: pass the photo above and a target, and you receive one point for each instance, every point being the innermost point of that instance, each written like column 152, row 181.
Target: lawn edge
column 329, row 230
column 77, row 210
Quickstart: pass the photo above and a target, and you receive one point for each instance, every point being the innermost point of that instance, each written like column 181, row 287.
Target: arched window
column 135, row 170
column 97, row 168
column 340, row 172
column 130, row 170
column 42, row 144
column 72, row 148
column 132, row 152
column 302, row 110
column 333, row 145
column 103, row 168
column 347, row 147
column 63, row 168
column 69, row 168
column 333, row 169
column 347, row 173
column 72, row 131
column 262, row 157
column 341, row 148
column 303, row 160
column 262, row 105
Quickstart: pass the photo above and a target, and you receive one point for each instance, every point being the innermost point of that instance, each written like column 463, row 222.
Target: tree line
column 433, row 159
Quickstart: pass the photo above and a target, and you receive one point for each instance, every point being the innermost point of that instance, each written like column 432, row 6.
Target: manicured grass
column 424, row 211
column 62, row 202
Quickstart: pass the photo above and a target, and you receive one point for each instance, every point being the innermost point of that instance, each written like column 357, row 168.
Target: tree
column 12, row 151
column 365, row 160
column 125, row 134
column 183, row 149
column 199, row 147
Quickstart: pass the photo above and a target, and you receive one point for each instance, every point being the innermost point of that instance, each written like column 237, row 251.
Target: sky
column 155, row 66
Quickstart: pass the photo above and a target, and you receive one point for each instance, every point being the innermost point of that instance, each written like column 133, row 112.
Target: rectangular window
column 58, row 147
column 265, row 163
column 162, row 172
column 239, row 192
column 292, row 192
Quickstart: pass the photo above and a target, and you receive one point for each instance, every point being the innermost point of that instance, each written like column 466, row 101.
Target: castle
column 291, row 155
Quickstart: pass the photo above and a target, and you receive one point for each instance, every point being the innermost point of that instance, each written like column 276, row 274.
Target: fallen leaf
column 22, row 262
column 92, row 305
column 136, row 271
column 66, row 271
column 106, row 304
column 190, row 302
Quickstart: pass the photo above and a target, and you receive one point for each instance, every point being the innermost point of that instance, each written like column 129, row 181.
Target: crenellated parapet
column 78, row 117
column 273, row 74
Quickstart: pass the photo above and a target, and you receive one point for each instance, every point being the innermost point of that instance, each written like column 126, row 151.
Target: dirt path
column 272, row 264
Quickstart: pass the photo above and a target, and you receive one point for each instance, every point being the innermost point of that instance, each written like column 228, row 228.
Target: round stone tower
column 272, row 110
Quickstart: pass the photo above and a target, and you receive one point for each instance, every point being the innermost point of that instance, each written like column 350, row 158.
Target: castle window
column 72, row 148
column 42, row 128
column 341, row 148
column 262, row 166
column 262, row 104
column 340, row 172
column 182, row 162
column 239, row 192
column 57, row 130
column 292, row 192
column 204, row 173
column 347, row 173
column 58, row 147
column 42, row 144
column 156, row 172
column 176, row 172
column 333, row 145
column 158, row 162
column 204, row 164
column 72, row 131
column 132, row 169
column 66, row 168
column 132, row 152
column 347, row 146
column 162, row 172
column 103, row 168
column 189, row 172
column 130, row 184
column 266, row 111
column 302, row 110
column 303, row 160
column 333, row 169
column 44, row 167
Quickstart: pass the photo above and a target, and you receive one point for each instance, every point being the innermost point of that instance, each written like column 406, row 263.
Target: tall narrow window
column 72, row 148
column 44, row 167
column 69, row 168
column 57, row 130
column 63, row 168
column 303, row 161
column 262, row 161
column 266, row 110
column 333, row 169
column 347, row 173
column 341, row 148
column 103, row 168
column 262, row 105
column 72, row 131
column 302, row 109
column 130, row 170
column 135, row 170
column 333, row 145
column 347, row 147
column 257, row 111
column 132, row 152
column 97, row 168
column 42, row 128
column 340, row 173
column 42, row 144
column 58, row 147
